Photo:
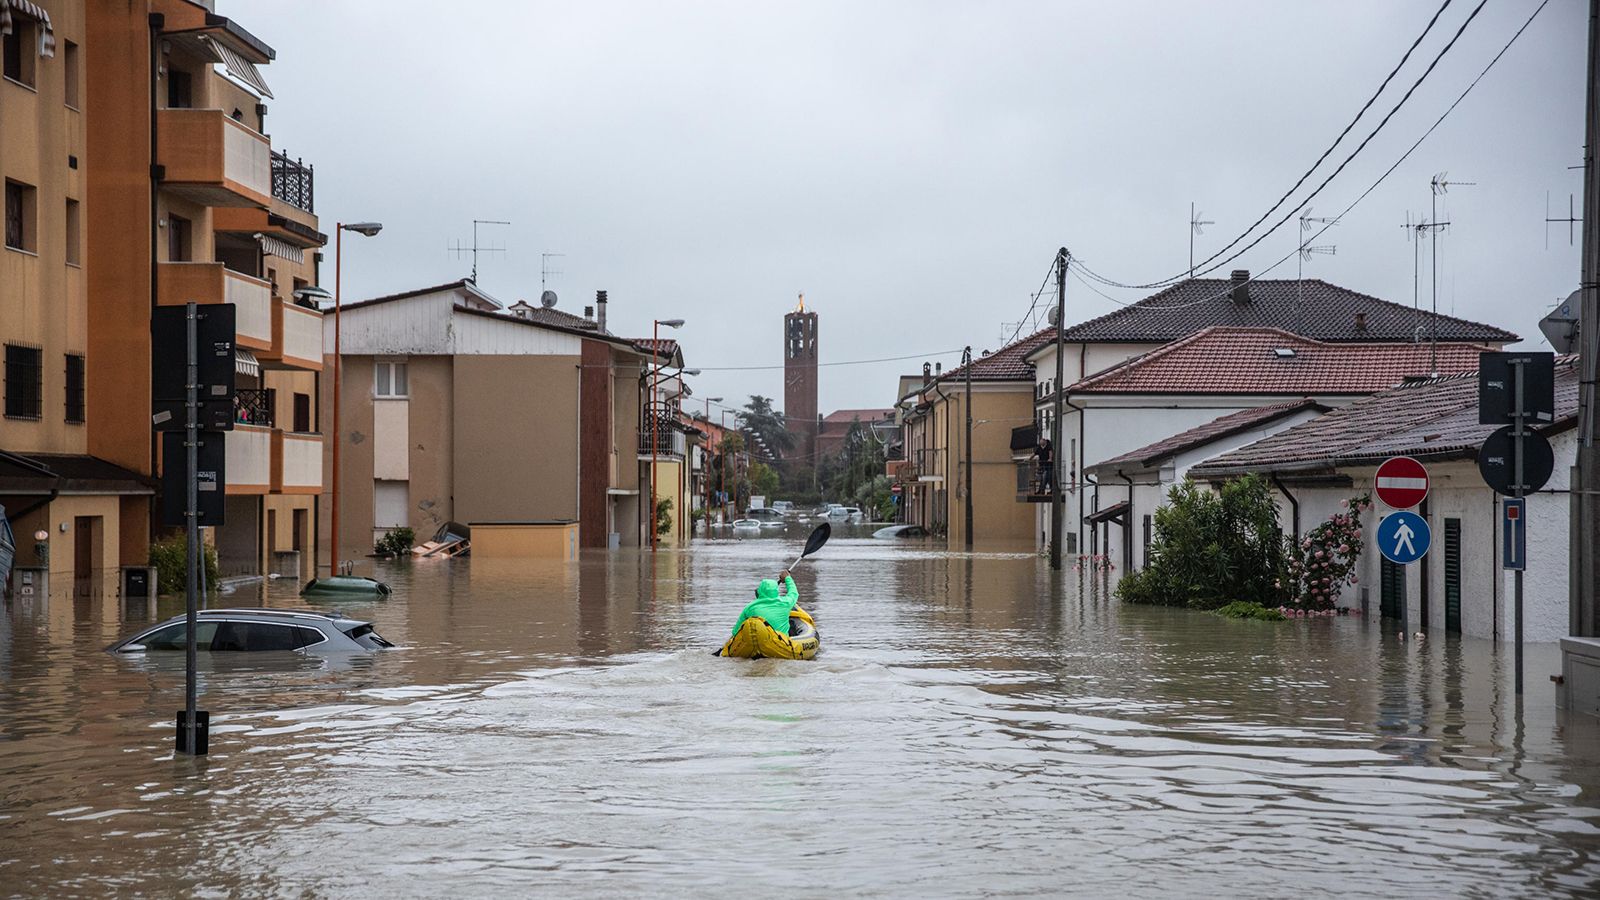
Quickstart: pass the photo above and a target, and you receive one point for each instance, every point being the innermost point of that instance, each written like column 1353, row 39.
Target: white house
column 1459, row 586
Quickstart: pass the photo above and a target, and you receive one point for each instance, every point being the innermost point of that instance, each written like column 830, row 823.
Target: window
column 389, row 379
column 24, row 377
column 180, row 93
column 74, row 244
column 74, row 389
column 272, row 279
column 390, row 504
column 69, row 59
column 20, row 216
column 18, row 48
column 178, row 231
column 302, row 413
column 175, row 637
column 263, row 637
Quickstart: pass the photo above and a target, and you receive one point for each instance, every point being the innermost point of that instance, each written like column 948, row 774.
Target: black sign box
column 213, row 477
column 1496, row 402
column 214, row 330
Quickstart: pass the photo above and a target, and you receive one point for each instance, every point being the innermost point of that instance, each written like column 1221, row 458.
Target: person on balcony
column 1044, row 457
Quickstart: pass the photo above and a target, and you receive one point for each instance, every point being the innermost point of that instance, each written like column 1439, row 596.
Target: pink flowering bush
column 1324, row 560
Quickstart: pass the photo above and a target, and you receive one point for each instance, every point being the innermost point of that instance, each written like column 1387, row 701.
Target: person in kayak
column 772, row 604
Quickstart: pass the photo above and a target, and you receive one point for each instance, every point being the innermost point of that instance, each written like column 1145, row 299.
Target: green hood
column 770, row 606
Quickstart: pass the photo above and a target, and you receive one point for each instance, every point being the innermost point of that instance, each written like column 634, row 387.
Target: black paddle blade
column 818, row 538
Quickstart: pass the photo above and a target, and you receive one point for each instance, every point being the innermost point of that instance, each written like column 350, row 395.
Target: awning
column 47, row 37
column 245, row 363
column 280, row 248
column 240, row 68
column 1116, row 512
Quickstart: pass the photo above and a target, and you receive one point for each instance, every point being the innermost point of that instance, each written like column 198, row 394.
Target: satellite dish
column 1561, row 326
column 1052, row 316
column 548, row 299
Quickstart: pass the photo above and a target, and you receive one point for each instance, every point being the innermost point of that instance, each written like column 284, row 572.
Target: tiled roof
column 1009, row 363
column 666, row 347
column 546, row 315
column 1432, row 419
column 459, row 284
column 1327, row 313
column 1256, row 361
column 1216, row 429
column 847, row 416
column 36, row 473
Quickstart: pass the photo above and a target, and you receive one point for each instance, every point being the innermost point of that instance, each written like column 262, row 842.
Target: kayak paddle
column 819, row 536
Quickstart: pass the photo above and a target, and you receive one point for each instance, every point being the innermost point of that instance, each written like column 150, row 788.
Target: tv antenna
column 475, row 249
column 1197, row 225
column 1306, row 251
column 1438, row 185
column 545, row 271
column 1571, row 220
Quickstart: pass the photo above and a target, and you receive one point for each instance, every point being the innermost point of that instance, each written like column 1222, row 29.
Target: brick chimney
column 1239, row 292
column 600, row 310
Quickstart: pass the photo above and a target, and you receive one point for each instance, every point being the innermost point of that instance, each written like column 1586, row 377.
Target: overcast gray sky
column 912, row 167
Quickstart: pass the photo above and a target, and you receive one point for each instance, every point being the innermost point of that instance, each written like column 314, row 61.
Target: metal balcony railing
column 253, row 406
column 293, row 182
column 660, row 422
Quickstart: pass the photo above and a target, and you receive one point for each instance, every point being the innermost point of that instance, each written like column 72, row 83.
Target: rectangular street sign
column 1513, row 533
column 213, row 478
column 1496, row 401
column 214, row 330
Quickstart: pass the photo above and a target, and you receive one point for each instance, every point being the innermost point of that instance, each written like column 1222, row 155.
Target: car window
column 258, row 637
column 175, row 637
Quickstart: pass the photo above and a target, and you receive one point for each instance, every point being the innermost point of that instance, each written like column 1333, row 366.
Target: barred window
column 74, row 389
column 24, row 382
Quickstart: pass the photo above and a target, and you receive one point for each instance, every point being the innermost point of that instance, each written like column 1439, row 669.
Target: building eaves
column 545, row 326
column 406, row 295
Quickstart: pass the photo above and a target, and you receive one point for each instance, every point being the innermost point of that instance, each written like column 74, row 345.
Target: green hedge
column 170, row 556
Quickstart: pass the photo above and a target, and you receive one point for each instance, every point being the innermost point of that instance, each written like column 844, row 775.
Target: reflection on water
column 971, row 727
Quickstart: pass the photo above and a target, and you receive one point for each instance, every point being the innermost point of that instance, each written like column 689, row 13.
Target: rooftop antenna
column 545, row 271
column 458, row 250
column 1439, row 186
column 1307, row 223
column 1197, row 225
column 1572, row 220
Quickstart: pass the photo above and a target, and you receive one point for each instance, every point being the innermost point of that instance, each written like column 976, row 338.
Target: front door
column 85, row 553
column 1452, row 575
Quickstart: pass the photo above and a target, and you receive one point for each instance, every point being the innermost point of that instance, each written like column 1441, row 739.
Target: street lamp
column 655, row 416
column 709, row 401
column 365, row 229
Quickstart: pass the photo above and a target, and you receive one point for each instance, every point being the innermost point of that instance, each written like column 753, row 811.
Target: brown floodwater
column 972, row 726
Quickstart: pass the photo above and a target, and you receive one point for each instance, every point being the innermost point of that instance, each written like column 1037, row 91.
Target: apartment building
column 50, row 483
column 189, row 201
column 455, row 408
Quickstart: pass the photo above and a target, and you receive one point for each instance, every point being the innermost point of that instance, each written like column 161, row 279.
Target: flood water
column 968, row 730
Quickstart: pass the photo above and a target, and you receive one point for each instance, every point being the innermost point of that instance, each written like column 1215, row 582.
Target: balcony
column 660, row 423
column 212, row 282
column 293, row 182
column 248, row 449
column 1031, row 487
column 929, row 464
column 296, row 463
column 254, row 406
column 296, row 338
column 212, row 160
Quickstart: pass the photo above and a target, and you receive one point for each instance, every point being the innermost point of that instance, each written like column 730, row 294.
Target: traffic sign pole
column 1520, row 425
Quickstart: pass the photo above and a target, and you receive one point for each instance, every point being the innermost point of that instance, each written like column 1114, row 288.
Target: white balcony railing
column 252, row 298
column 248, row 449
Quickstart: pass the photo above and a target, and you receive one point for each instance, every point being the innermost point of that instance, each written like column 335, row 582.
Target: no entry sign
column 1402, row 482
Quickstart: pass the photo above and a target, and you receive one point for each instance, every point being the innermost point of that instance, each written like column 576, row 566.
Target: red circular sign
column 1402, row 482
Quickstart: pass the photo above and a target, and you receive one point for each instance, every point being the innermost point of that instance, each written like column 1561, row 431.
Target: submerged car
column 901, row 531
column 259, row 630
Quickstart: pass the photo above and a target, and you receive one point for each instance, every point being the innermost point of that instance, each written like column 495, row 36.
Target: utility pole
column 966, row 443
column 1058, row 517
column 1585, row 596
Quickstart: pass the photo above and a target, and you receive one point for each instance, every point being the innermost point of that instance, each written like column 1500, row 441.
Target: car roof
column 303, row 615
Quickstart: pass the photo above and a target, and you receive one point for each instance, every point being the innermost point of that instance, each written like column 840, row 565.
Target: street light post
column 709, row 401
column 366, row 229
column 655, row 415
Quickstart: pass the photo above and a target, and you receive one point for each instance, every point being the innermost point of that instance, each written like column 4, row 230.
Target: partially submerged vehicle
column 258, row 630
column 901, row 531
column 346, row 587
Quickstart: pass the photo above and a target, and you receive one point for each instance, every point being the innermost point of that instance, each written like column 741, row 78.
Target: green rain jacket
column 770, row 605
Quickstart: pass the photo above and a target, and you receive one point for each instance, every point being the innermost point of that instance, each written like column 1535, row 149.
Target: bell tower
column 800, row 379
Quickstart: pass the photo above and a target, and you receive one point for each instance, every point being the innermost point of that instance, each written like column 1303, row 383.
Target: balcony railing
column 293, row 182
column 659, row 422
column 253, row 406
column 929, row 464
column 212, row 159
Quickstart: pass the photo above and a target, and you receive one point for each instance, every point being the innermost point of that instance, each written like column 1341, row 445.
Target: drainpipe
column 158, row 22
column 1127, row 528
column 1082, row 468
column 1294, row 504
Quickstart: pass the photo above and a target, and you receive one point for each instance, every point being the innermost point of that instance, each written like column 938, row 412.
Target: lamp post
column 365, row 229
column 655, row 415
column 709, row 401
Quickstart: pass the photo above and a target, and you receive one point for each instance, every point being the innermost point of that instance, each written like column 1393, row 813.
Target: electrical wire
column 845, row 362
column 1028, row 316
column 1203, row 267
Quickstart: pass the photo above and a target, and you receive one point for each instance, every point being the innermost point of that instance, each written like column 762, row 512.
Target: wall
column 595, row 444
column 997, row 515
column 516, row 438
column 543, row 540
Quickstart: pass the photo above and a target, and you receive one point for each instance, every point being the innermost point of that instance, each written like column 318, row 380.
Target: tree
column 763, row 480
column 760, row 419
column 1210, row 549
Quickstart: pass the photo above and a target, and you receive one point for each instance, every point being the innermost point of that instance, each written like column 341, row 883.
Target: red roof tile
column 1256, row 361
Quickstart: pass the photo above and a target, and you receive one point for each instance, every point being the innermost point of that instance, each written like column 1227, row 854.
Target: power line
column 1347, row 160
column 846, row 362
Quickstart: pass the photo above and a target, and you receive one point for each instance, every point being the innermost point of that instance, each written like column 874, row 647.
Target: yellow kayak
column 755, row 639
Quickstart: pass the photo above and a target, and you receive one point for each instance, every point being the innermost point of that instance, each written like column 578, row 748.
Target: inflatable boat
column 755, row 639
column 345, row 586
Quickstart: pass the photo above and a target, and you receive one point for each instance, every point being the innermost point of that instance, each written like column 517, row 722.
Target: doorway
column 86, row 555
column 1391, row 589
column 1452, row 576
